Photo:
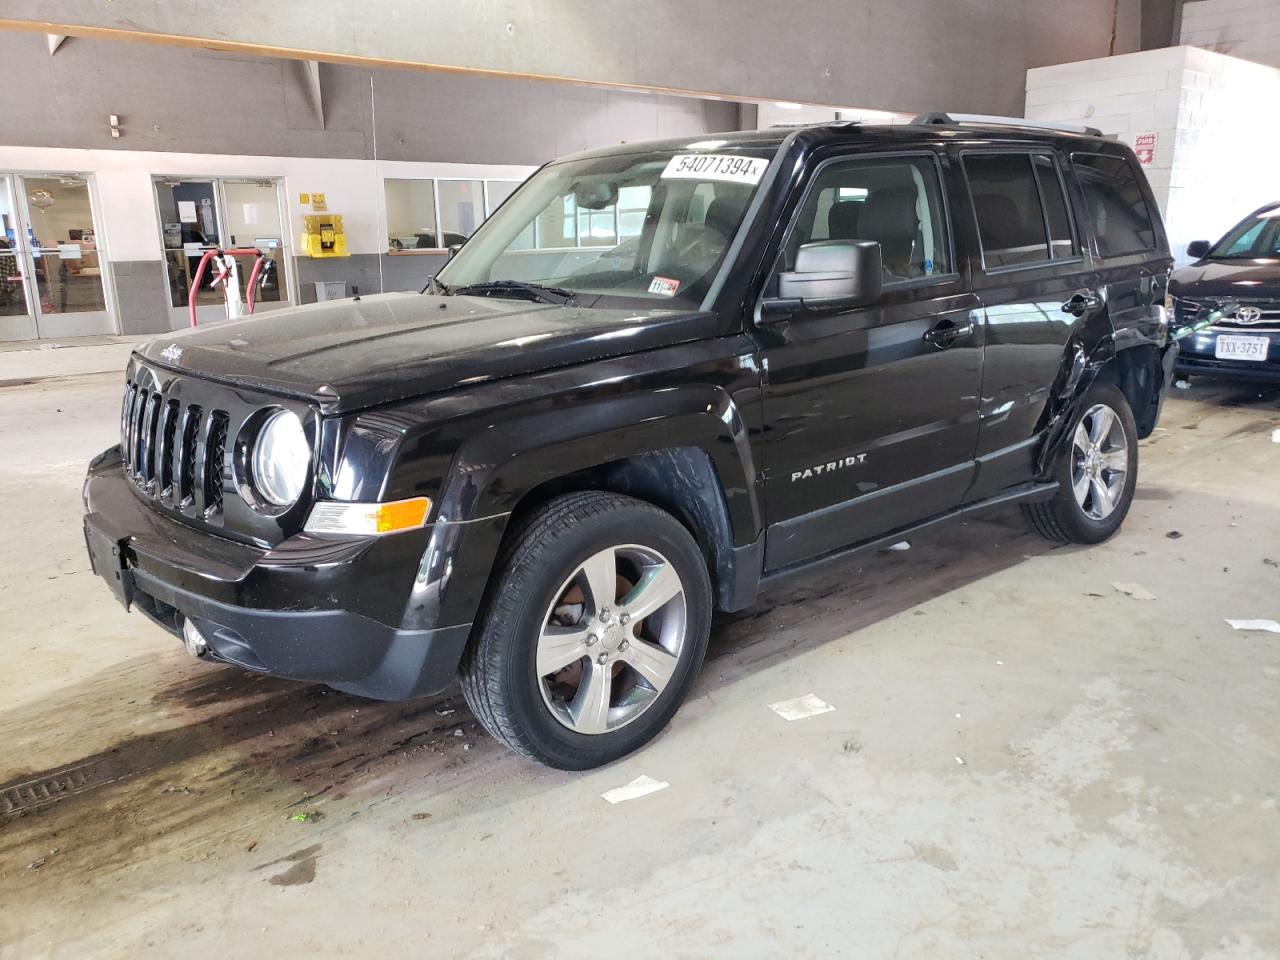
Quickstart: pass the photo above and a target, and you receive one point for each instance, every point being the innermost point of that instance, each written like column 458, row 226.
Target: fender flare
column 509, row 457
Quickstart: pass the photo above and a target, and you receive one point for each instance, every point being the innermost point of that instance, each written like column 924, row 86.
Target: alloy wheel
column 611, row 639
column 1099, row 461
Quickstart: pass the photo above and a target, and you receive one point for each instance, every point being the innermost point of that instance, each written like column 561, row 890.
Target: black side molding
column 1023, row 493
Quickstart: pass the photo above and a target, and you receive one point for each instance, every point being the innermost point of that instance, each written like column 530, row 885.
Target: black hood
column 350, row 354
column 1228, row 280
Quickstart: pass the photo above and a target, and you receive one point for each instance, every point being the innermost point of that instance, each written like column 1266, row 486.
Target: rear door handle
column 1082, row 302
column 947, row 332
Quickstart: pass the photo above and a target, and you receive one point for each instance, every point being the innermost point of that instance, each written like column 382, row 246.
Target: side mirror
column 1198, row 249
column 831, row 274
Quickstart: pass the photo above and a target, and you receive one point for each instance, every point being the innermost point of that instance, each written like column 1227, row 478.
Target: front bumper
column 328, row 610
column 1197, row 355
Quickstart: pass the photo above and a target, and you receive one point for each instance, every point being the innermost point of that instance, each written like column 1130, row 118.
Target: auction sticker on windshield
column 715, row 166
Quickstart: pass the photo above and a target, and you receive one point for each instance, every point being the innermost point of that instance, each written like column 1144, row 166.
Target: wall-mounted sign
column 304, row 198
column 317, row 203
column 1144, row 145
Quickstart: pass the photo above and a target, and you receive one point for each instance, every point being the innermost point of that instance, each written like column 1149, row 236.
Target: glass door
column 254, row 219
column 51, row 282
column 198, row 215
column 63, row 255
column 17, row 315
column 189, row 225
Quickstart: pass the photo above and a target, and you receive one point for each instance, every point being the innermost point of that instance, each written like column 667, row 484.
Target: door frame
column 803, row 536
column 211, row 313
column 109, row 317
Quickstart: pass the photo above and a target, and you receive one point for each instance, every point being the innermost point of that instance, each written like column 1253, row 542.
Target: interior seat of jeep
column 889, row 215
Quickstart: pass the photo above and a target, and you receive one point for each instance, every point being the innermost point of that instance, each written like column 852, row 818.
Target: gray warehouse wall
column 199, row 101
column 909, row 55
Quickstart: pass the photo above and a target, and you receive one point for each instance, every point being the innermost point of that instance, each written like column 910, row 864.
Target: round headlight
column 281, row 456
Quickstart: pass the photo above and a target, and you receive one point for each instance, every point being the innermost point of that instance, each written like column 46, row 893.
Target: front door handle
column 1082, row 302
column 946, row 333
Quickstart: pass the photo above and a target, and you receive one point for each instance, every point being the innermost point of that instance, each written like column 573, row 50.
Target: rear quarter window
column 1115, row 203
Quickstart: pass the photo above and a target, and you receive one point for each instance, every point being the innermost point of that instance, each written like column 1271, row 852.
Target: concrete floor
column 1022, row 762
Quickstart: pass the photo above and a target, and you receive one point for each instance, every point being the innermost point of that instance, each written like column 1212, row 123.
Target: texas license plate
column 1241, row 348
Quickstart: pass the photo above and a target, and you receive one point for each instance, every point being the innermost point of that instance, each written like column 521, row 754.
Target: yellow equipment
column 322, row 236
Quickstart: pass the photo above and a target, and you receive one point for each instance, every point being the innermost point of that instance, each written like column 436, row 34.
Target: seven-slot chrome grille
column 174, row 452
column 184, row 445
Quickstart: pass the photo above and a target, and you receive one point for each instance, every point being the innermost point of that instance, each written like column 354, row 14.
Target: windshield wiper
column 535, row 291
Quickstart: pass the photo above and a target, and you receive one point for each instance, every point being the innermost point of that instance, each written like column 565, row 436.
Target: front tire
column 592, row 633
column 1096, row 473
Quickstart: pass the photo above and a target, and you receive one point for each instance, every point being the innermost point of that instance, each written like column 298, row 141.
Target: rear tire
column 592, row 632
column 1096, row 473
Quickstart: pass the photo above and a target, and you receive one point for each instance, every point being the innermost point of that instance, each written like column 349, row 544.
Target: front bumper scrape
column 315, row 609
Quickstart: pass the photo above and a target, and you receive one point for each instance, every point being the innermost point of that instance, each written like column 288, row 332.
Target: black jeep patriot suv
column 658, row 377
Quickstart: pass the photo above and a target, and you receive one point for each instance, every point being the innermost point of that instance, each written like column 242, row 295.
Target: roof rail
column 815, row 123
column 956, row 119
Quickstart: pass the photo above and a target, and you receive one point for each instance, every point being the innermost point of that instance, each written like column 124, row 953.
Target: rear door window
column 1062, row 244
column 1006, row 203
column 1117, row 207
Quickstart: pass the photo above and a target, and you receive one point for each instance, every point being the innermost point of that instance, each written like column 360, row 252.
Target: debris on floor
column 801, row 707
column 1182, row 384
column 641, row 786
column 960, row 761
column 1174, row 534
column 901, row 545
column 1275, row 436
column 1269, row 626
column 307, row 816
column 1135, row 590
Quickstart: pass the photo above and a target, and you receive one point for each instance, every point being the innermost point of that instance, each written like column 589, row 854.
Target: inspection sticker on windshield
column 715, row 166
column 664, row 286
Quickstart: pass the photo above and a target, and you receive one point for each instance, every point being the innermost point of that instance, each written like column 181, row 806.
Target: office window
column 1116, row 205
column 1006, row 202
column 461, row 209
column 411, row 215
column 896, row 202
column 497, row 191
column 633, row 207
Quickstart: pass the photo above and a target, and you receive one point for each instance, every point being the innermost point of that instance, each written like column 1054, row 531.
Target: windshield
column 650, row 227
column 1256, row 238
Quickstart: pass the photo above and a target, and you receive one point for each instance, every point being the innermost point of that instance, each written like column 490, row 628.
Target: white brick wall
column 1248, row 29
column 1213, row 116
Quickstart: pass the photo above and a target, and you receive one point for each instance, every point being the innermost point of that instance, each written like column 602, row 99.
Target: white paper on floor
column 801, row 707
column 1270, row 626
column 1135, row 590
column 1275, row 436
column 901, row 545
column 641, row 786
